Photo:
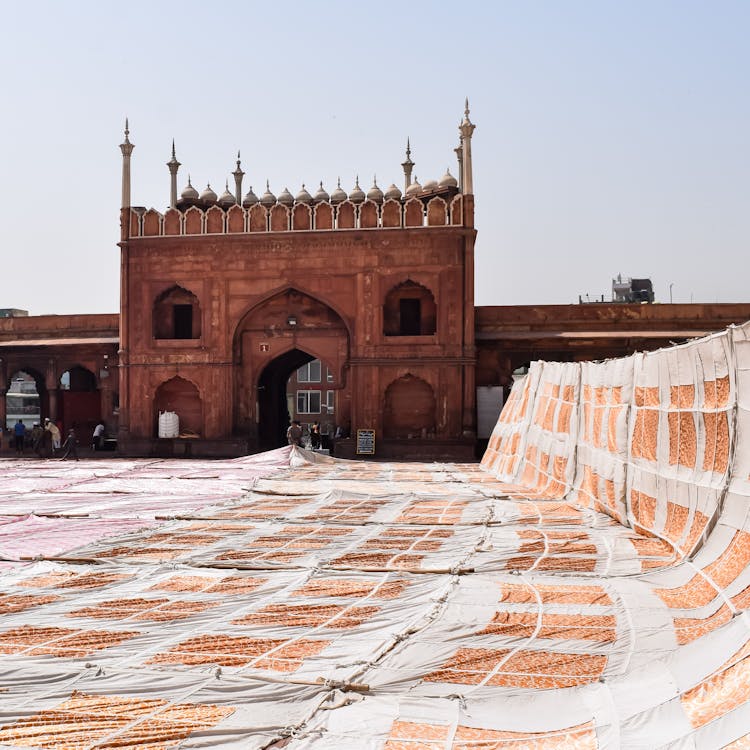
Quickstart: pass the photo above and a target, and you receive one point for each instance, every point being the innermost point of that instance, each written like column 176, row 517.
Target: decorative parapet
column 324, row 216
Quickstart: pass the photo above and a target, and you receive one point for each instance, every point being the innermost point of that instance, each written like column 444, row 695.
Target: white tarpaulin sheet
column 585, row 587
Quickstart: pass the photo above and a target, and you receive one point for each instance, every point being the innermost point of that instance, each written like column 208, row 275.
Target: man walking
column 19, row 433
column 69, row 447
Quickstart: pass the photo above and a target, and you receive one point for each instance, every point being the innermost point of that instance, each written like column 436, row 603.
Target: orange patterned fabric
column 104, row 721
column 718, row 695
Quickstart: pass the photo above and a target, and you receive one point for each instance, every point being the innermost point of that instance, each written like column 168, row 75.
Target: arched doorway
column 281, row 334
column 274, row 410
column 79, row 405
column 25, row 398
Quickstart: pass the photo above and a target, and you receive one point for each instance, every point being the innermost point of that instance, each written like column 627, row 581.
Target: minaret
column 127, row 148
column 238, row 175
column 459, row 150
column 466, row 128
column 408, row 165
column 173, row 165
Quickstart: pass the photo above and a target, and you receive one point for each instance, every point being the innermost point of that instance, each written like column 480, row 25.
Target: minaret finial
column 466, row 130
column 466, row 108
column 173, row 165
column 407, row 165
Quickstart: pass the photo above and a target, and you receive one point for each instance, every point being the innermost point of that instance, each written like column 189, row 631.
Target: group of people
column 295, row 434
column 47, row 440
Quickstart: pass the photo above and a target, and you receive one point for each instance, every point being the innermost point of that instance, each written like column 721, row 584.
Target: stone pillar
column 466, row 128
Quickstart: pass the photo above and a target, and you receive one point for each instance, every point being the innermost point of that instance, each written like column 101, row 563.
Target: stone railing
column 392, row 214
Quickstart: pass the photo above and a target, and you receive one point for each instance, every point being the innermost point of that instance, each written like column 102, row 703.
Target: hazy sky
column 611, row 136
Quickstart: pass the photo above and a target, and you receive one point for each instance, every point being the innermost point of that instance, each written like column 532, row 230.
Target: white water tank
column 169, row 424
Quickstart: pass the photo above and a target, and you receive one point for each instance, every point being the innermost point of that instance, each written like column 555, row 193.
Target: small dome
column 321, row 196
column 338, row 195
column 268, row 199
column 393, row 193
column 189, row 193
column 375, row 194
column 357, row 195
column 448, row 180
column 286, row 197
column 414, row 189
column 430, row 186
column 303, row 196
column 250, row 199
column 227, row 199
column 208, row 196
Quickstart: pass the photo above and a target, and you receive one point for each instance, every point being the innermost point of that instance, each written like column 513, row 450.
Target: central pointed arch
column 279, row 334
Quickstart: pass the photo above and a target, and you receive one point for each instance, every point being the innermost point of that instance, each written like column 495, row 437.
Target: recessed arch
column 25, row 398
column 409, row 408
column 409, row 309
column 176, row 315
column 182, row 397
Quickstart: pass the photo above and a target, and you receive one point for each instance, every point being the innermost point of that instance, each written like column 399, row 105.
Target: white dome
column 226, row 198
column 286, row 197
column 321, row 196
column 338, row 195
column 208, row 196
column 375, row 194
column 268, row 199
column 357, row 195
column 250, row 198
column 303, row 196
column 414, row 189
column 448, row 180
column 189, row 193
column 393, row 193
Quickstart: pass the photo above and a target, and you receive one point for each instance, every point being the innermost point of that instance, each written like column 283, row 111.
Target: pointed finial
column 321, row 184
column 268, row 187
column 408, row 147
column 356, row 182
column 173, row 153
column 127, row 130
column 466, row 108
column 226, row 185
column 375, row 180
column 189, row 179
column 338, row 182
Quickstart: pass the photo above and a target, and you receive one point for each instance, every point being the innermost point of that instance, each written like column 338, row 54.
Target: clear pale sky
column 611, row 137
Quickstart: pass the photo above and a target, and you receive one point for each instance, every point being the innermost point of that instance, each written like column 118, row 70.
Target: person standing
column 315, row 435
column 19, row 433
column 294, row 434
column 97, row 440
column 54, row 432
column 69, row 447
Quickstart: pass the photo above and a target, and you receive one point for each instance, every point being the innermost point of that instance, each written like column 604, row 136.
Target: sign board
column 365, row 442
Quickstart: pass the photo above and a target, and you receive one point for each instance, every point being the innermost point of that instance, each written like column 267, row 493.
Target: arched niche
column 368, row 215
column 457, row 210
column 215, row 220
column 409, row 309
column 301, row 217
column 152, row 223
column 235, row 219
column 258, row 218
column 391, row 213
column 414, row 213
column 437, row 212
column 346, row 216
column 176, row 315
column 324, row 216
column 182, row 397
column 409, row 409
column 193, row 220
column 279, row 218
column 172, row 220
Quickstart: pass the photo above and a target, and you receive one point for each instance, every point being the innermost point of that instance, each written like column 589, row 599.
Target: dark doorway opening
column 410, row 314
column 183, row 321
column 273, row 410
